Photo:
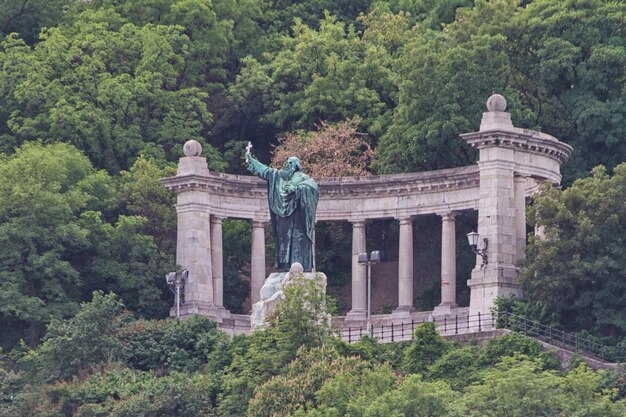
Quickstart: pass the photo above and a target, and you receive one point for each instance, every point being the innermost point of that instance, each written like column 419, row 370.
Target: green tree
column 518, row 387
column 63, row 237
column 143, row 195
column 444, row 79
column 124, row 393
column 27, row 17
column 43, row 190
column 576, row 274
column 301, row 320
column 433, row 14
column 255, row 359
column 320, row 379
column 425, row 348
column 458, row 367
column 109, row 88
column 414, row 397
column 303, row 316
column 237, row 243
column 165, row 346
column 572, row 57
column 280, row 14
column 82, row 343
column 295, row 83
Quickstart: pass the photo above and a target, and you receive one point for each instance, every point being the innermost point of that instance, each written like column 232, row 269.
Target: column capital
column 258, row 223
column 448, row 216
column 358, row 223
column 217, row 219
column 405, row 220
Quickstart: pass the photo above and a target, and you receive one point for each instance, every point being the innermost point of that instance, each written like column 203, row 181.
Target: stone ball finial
column 192, row 148
column 296, row 268
column 496, row 103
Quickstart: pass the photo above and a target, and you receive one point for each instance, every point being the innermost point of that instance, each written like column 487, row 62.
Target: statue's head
column 293, row 164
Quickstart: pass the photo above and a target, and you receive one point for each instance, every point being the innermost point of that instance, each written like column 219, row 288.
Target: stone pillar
column 193, row 244
column 217, row 257
column 448, row 264
column 257, row 264
column 193, row 252
column 405, row 266
column 359, row 277
column 496, row 208
column 520, row 218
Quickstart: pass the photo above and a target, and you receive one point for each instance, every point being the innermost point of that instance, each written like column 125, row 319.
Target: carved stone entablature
column 341, row 197
column 527, row 140
column 401, row 184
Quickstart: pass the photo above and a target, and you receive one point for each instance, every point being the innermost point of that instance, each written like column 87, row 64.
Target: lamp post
column 374, row 259
column 176, row 282
column 472, row 238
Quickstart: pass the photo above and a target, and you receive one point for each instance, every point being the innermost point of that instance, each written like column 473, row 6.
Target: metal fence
column 466, row 324
column 396, row 332
column 556, row 337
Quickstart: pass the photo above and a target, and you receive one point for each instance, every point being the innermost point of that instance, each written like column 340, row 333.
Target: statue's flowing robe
column 292, row 214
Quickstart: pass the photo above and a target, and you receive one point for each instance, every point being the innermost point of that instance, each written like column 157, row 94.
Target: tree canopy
column 97, row 97
column 575, row 274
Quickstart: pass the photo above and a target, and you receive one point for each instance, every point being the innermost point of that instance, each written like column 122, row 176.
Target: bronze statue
column 293, row 197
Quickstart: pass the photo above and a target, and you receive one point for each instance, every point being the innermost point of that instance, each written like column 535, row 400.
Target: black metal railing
column 554, row 336
column 465, row 324
column 396, row 332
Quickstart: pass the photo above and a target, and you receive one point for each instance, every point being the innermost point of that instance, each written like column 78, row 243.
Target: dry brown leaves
column 334, row 150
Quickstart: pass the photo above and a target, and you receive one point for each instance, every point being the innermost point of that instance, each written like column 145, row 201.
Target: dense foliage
column 104, row 361
column 97, row 97
column 577, row 266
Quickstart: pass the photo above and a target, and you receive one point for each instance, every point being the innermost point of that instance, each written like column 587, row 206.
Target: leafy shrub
column 320, row 378
column 167, row 345
column 83, row 342
column 426, row 347
column 124, row 393
column 458, row 367
column 509, row 345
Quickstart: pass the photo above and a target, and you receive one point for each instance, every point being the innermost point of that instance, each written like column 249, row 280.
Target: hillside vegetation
column 97, row 98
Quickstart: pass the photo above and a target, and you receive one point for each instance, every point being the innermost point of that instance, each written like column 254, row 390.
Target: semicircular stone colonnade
column 512, row 165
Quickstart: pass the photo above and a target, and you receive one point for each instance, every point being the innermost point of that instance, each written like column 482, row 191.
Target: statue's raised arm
column 293, row 198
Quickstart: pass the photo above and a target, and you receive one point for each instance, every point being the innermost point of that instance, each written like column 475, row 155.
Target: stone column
column 405, row 266
column 257, row 264
column 359, row 278
column 217, row 257
column 448, row 264
column 520, row 218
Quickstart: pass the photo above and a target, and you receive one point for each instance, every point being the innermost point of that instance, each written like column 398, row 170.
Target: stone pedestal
column 272, row 294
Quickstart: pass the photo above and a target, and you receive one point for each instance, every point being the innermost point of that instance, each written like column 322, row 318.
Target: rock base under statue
column 272, row 293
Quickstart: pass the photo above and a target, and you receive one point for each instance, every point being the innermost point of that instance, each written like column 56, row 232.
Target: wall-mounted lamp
column 472, row 237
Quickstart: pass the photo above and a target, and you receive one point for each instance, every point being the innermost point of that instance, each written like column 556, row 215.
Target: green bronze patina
column 293, row 197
